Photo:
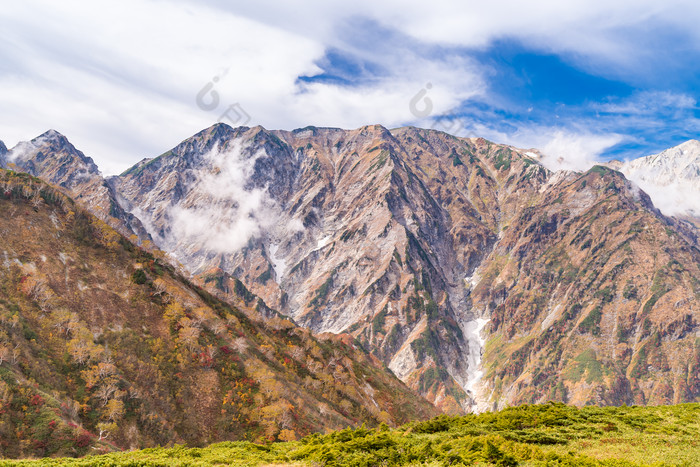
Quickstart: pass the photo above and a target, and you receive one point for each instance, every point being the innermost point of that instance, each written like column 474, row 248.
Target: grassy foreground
column 552, row 434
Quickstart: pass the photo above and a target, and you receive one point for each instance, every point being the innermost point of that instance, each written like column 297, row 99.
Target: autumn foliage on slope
column 104, row 346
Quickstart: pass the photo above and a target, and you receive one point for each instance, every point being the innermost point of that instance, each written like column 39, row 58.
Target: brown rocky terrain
column 410, row 239
column 593, row 298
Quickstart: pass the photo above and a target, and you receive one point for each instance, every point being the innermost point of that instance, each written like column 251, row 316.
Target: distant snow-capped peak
column 671, row 178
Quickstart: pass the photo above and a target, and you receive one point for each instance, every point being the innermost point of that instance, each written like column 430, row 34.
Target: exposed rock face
column 593, row 298
column 340, row 234
column 54, row 159
column 423, row 246
column 411, row 239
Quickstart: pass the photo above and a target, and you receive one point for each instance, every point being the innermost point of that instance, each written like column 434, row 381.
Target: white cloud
column 677, row 198
column 648, row 102
column 119, row 78
column 575, row 151
column 219, row 211
column 616, row 33
column 593, row 31
column 561, row 149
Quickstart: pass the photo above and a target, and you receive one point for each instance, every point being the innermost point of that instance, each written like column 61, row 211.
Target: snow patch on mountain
column 475, row 372
column 472, row 281
column 322, row 242
column 278, row 264
column 671, row 178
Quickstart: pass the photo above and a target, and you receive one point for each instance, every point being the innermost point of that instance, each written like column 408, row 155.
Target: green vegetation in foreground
column 552, row 434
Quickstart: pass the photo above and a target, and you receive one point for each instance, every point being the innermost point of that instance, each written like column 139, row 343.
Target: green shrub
column 591, row 323
column 139, row 277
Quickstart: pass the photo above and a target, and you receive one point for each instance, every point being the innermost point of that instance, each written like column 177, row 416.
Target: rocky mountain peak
column 52, row 157
column 690, row 147
column 207, row 138
column 219, row 138
column 52, row 151
column 53, row 135
column 677, row 157
column 377, row 130
column 671, row 178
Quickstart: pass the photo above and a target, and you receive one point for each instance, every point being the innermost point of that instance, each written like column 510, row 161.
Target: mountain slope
column 594, row 298
column 432, row 250
column 3, row 152
column 54, row 159
column 312, row 200
column 412, row 240
column 102, row 345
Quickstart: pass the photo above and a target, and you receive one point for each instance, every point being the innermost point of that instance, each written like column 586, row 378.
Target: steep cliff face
column 329, row 226
column 104, row 346
column 54, row 159
column 593, row 298
column 412, row 240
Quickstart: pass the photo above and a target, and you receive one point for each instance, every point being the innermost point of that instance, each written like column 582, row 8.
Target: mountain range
column 479, row 277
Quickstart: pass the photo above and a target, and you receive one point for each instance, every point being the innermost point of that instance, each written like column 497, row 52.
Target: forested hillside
column 103, row 346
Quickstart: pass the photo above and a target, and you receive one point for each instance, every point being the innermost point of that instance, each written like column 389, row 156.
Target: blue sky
column 579, row 80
